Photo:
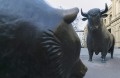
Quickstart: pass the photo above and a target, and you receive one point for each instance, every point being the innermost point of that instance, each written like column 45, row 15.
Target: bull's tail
column 112, row 47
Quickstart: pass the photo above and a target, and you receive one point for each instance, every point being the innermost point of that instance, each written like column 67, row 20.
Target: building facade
column 112, row 22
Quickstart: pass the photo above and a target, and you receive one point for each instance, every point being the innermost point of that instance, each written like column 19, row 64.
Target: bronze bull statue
column 38, row 41
column 99, row 39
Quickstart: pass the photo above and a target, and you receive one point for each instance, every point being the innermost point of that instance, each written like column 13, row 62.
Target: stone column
column 113, row 10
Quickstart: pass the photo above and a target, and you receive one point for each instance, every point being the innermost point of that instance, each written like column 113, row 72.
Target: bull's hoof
column 90, row 60
column 103, row 61
column 111, row 57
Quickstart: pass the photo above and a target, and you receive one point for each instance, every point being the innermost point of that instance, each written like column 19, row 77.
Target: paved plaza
column 97, row 69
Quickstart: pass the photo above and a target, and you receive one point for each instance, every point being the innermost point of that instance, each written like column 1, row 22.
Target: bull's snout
column 79, row 70
column 94, row 28
column 84, row 70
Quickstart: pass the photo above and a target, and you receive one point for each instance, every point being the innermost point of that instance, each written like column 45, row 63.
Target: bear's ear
column 70, row 15
column 84, row 19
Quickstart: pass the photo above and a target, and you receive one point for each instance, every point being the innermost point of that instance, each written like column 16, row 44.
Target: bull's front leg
column 103, row 53
column 90, row 55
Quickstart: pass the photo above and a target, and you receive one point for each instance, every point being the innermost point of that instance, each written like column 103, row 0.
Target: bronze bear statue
column 38, row 41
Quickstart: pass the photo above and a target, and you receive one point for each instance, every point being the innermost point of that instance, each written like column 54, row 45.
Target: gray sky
column 84, row 4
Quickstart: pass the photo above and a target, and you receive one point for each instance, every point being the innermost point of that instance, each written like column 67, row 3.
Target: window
column 105, row 21
column 110, row 18
column 109, row 30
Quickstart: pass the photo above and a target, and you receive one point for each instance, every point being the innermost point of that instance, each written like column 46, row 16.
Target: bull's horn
column 70, row 15
column 105, row 10
column 83, row 14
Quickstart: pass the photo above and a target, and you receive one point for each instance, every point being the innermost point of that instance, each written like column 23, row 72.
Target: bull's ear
column 84, row 19
column 70, row 15
column 104, row 15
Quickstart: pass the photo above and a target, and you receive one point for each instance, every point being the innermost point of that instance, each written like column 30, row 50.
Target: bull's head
column 94, row 16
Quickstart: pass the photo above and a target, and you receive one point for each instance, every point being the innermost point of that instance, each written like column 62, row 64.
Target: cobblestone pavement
column 97, row 69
